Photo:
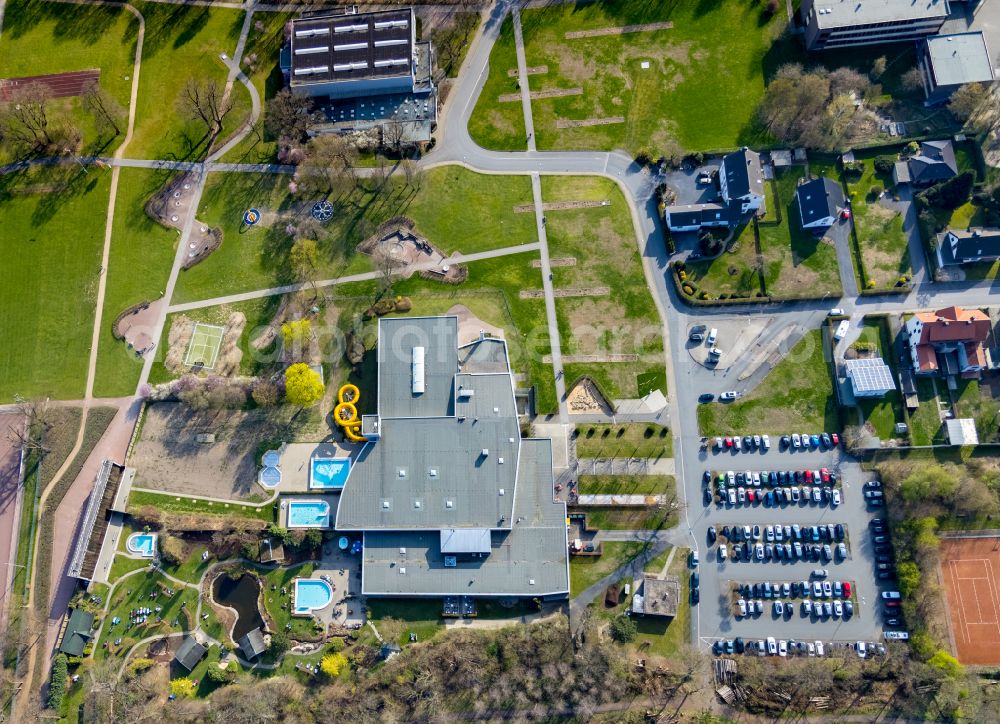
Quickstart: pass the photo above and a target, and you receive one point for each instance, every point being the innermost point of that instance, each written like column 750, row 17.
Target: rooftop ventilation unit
column 402, row 571
column 450, row 562
column 360, row 65
column 486, row 451
column 418, row 370
column 391, row 63
column 311, row 32
column 387, row 43
column 351, row 28
column 314, row 70
column 449, row 504
column 386, row 24
column 466, row 392
column 313, row 50
column 402, row 551
column 350, row 46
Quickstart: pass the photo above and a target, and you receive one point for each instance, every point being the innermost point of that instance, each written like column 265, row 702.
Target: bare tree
column 28, row 432
column 287, row 116
column 328, row 165
column 385, row 267
column 392, row 136
column 25, row 119
column 105, row 109
column 206, row 100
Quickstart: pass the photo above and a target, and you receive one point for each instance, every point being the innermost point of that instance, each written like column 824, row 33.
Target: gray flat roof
column 960, row 58
column 397, row 338
column 339, row 48
column 839, row 13
column 531, row 559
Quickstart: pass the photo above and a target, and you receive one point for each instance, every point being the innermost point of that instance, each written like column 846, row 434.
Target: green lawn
column 882, row 413
column 123, row 564
column 735, row 272
column 419, row 615
column 500, row 126
column 184, row 37
column 795, row 261
column 53, row 222
column 457, row 210
column 975, row 401
column 668, row 103
column 651, row 518
column 668, row 637
column 625, row 321
column 142, row 253
column 40, row 38
column 632, row 440
column 584, row 571
column 797, row 394
column 885, row 253
column 925, row 421
column 176, row 614
column 192, row 566
column 176, row 504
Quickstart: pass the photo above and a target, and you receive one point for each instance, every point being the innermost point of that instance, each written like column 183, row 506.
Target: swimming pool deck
column 295, row 462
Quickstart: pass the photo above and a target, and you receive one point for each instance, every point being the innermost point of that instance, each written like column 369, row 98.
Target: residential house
column 741, row 183
column 189, row 653
column 947, row 62
column 950, row 341
column 364, row 69
column 935, row 162
column 966, row 246
column 78, row 632
column 870, row 377
column 819, row 201
column 843, row 23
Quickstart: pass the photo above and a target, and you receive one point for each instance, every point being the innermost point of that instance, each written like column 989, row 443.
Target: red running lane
column 56, row 85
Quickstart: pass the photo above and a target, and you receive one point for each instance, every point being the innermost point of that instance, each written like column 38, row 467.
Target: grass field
column 651, row 518
column 634, row 440
column 669, row 101
column 625, row 321
column 736, row 271
column 41, row 38
column 885, row 253
column 668, row 637
column 585, row 571
column 53, row 222
column 142, row 253
column 796, row 395
column 421, row 616
column 189, row 37
column 925, row 421
column 456, row 209
column 176, row 504
column 881, row 413
column 795, row 261
column 974, row 400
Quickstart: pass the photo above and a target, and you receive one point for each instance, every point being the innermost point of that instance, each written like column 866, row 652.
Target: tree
column 28, row 430
column 908, row 574
column 26, row 120
column 304, row 258
column 182, row 688
column 947, row 663
column 287, row 116
column 623, row 629
column 392, row 136
column 57, row 681
column 303, row 385
column 912, row 80
column 265, row 393
column 328, row 165
column 105, row 109
column 218, row 674
column 966, row 100
column 206, row 101
column 385, row 267
column 333, row 664
column 878, row 67
column 412, row 174
column 295, row 335
column 279, row 642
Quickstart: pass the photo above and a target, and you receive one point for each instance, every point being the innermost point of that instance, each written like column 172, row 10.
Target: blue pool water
column 308, row 514
column 271, row 458
column 143, row 544
column 269, row 477
column 326, row 473
column 311, row 594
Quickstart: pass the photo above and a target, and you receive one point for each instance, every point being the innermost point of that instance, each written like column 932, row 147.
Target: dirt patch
column 562, row 206
column 541, row 95
column 469, row 325
column 171, row 207
column 586, row 399
column 136, row 326
column 558, row 261
column 590, row 122
column 969, row 569
column 533, row 70
column 580, row 292
column 622, row 30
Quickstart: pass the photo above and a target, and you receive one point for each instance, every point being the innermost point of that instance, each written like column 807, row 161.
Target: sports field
column 204, row 347
column 970, row 568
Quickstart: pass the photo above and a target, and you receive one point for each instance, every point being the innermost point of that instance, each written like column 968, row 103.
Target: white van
column 842, row 329
column 713, row 334
column 772, row 646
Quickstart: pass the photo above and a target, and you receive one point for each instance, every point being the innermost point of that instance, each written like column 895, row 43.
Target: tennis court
column 204, row 347
column 971, row 568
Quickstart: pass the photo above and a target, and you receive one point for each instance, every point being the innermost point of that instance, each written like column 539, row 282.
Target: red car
column 809, row 476
column 825, row 475
column 750, row 496
column 729, row 442
column 835, row 438
column 847, row 589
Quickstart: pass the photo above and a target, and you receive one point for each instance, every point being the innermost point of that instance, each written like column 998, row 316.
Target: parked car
column 836, row 312
column 728, row 395
column 712, row 534
column 835, row 499
column 766, row 442
column 820, row 573
column 706, row 397
column 697, row 333
column 713, row 336
column 723, row 551
column 782, row 648
column 795, row 441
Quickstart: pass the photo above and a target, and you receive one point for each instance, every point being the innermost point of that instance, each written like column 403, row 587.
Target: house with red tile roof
column 950, row 341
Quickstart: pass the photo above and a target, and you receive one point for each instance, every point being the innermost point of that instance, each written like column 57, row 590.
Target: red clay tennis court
column 971, row 571
column 56, row 85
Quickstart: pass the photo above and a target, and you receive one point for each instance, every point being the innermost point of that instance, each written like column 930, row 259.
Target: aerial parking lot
column 789, row 548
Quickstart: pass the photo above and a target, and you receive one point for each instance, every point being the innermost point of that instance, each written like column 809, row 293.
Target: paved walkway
column 625, row 466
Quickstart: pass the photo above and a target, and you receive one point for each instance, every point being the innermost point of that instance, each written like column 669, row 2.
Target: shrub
column 218, row 675
column 854, row 169
column 336, row 645
column 57, row 681
column 947, row 663
column 303, row 386
column 623, row 629
column 279, row 642
column 137, row 666
column 875, row 191
column 333, row 664
column 884, row 164
column 182, row 688
column 688, row 289
column 172, row 550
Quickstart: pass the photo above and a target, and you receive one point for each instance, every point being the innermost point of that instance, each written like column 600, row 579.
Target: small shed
column 78, row 632
column 252, row 645
column 962, row 431
column 190, row 653
column 659, row 597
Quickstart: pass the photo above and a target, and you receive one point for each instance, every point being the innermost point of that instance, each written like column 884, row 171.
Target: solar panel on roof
column 313, row 50
column 350, row 46
column 311, row 32
column 387, row 43
column 350, row 28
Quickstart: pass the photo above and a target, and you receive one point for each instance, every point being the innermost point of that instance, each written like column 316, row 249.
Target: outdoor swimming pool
column 142, row 543
column 270, row 474
column 329, row 473
column 308, row 514
column 311, row 594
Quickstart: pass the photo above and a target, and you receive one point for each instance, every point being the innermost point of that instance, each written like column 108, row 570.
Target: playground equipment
column 345, row 414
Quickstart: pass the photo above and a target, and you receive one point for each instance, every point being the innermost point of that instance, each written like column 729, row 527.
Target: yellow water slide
column 345, row 414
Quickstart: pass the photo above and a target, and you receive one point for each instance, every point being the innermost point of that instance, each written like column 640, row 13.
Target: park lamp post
column 76, row 158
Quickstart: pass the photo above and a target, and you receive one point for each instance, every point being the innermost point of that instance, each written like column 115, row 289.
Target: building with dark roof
column 252, row 644
column 364, row 70
column 189, row 653
column 819, row 201
column 947, row 62
column 966, row 246
column 78, row 632
column 843, row 23
column 448, row 496
column 741, row 183
column 935, row 162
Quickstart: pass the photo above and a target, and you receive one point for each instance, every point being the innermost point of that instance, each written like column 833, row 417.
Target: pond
column 240, row 594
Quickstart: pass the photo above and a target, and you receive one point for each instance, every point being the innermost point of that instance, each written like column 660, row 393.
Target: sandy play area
column 585, row 399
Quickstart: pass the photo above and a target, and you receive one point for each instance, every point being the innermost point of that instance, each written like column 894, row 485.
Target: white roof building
column 962, row 431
